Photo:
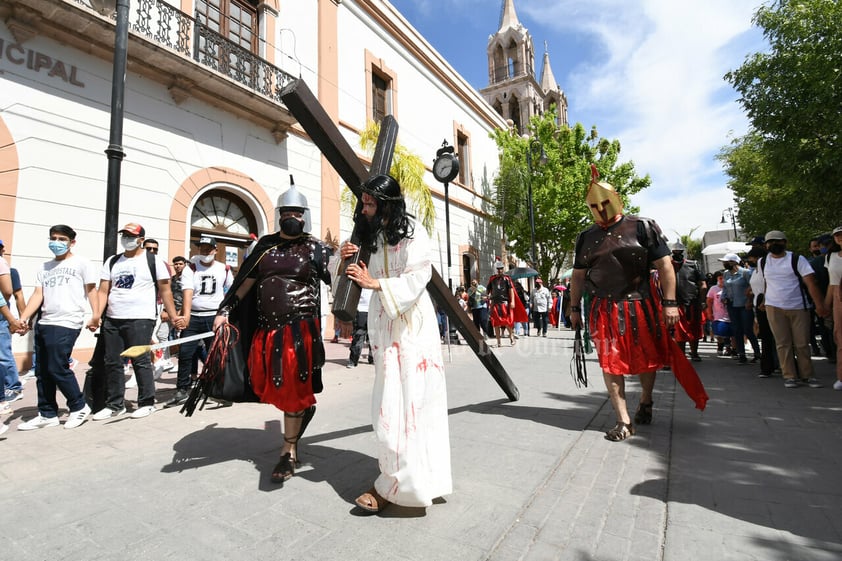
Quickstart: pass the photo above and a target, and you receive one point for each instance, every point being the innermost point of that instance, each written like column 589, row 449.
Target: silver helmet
column 292, row 199
column 677, row 246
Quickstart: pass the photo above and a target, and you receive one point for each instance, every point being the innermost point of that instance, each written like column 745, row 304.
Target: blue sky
column 646, row 72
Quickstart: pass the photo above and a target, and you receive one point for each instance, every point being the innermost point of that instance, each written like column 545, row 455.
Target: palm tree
column 408, row 169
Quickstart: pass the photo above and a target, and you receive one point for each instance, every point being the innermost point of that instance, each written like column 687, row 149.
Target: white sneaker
column 837, row 385
column 106, row 413
column 76, row 418
column 3, row 428
column 5, row 408
column 30, row 375
column 39, row 422
column 158, row 370
column 127, row 369
column 131, row 382
column 142, row 412
column 166, row 364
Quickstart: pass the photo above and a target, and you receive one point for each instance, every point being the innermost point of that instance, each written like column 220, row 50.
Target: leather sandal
column 643, row 415
column 284, row 469
column 371, row 501
column 621, row 431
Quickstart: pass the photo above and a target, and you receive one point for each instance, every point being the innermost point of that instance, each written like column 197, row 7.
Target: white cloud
column 654, row 80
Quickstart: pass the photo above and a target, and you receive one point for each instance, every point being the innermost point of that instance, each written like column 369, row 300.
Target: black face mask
column 678, row 256
column 292, row 226
column 777, row 248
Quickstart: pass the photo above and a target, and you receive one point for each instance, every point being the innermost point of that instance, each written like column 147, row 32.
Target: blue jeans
column 742, row 324
column 54, row 344
column 118, row 335
column 197, row 325
column 8, row 366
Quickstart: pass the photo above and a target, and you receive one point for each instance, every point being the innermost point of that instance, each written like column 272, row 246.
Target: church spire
column 508, row 17
column 547, row 79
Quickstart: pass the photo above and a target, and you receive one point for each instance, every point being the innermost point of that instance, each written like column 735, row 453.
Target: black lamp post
column 115, row 140
column 729, row 212
column 534, row 145
column 445, row 169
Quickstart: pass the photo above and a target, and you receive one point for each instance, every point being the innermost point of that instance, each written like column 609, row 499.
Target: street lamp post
column 115, row 140
column 729, row 212
column 534, row 145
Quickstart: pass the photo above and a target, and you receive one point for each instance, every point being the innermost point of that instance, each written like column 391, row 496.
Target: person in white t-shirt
column 788, row 308
column 128, row 287
column 65, row 289
column 204, row 284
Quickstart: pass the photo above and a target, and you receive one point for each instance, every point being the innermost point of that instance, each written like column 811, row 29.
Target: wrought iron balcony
column 169, row 46
column 172, row 28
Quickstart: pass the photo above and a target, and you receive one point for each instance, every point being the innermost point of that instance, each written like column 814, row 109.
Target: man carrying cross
column 409, row 402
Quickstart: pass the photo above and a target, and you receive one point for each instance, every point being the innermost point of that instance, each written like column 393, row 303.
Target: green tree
column 786, row 172
column 558, row 187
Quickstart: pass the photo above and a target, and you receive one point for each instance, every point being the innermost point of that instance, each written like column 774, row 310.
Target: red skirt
column 634, row 345
column 502, row 315
column 690, row 324
column 626, row 350
column 265, row 360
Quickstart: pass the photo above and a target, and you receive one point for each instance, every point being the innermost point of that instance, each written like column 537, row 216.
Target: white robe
column 409, row 401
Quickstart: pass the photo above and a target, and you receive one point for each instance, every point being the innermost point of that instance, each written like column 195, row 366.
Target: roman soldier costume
column 625, row 314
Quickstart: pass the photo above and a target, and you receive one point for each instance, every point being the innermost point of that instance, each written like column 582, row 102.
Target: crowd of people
column 639, row 298
column 780, row 303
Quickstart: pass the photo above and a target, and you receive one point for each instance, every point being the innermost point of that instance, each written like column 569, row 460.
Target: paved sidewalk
column 753, row 477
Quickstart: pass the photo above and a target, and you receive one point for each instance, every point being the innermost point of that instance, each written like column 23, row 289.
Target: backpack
column 150, row 260
column 805, row 296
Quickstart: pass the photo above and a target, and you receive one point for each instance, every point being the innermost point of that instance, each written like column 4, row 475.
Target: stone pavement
column 753, row 477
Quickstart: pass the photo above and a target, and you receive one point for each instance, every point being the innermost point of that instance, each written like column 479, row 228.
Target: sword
column 138, row 350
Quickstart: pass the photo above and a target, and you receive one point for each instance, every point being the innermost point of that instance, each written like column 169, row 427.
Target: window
column 229, row 36
column 227, row 218
column 463, row 147
column 381, row 97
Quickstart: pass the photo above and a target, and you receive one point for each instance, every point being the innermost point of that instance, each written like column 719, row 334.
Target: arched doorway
column 226, row 217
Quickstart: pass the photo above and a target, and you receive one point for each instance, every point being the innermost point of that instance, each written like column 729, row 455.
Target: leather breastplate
column 686, row 289
column 618, row 266
column 499, row 289
column 287, row 285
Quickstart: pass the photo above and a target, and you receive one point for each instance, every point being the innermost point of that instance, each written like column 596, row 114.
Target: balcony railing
column 168, row 26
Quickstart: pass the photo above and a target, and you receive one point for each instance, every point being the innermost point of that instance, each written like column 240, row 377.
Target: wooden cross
column 326, row 136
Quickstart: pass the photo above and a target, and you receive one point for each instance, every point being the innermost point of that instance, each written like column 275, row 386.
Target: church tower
column 513, row 89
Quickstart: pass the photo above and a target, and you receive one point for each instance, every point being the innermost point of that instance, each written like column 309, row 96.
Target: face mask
column 823, row 251
column 678, row 256
column 206, row 259
column 292, row 226
column 129, row 244
column 777, row 248
column 59, row 248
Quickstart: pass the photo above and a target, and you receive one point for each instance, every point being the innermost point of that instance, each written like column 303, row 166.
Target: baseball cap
column 775, row 235
column 498, row 264
column 134, row 229
column 837, row 230
column 206, row 240
column 757, row 240
column 730, row 257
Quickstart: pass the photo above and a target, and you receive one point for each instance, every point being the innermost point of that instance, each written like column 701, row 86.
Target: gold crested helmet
column 603, row 200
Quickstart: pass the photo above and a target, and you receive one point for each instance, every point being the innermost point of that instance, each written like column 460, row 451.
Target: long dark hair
column 391, row 217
